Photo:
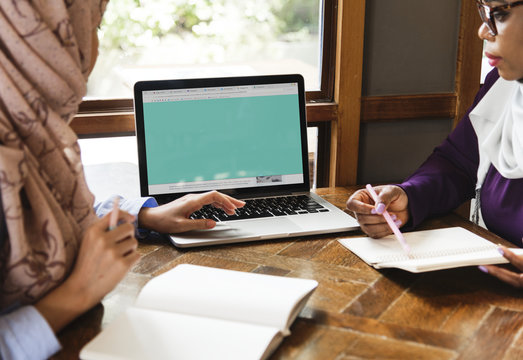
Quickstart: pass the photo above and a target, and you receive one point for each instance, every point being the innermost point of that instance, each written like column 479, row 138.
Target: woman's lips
column 493, row 60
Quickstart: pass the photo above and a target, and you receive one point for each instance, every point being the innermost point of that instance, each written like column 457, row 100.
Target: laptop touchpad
column 250, row 228
column 281, row 225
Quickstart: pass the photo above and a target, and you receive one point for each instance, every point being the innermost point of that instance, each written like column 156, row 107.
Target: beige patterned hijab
column 45, row 56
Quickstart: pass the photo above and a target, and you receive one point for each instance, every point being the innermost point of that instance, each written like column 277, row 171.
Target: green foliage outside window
column 129, row 25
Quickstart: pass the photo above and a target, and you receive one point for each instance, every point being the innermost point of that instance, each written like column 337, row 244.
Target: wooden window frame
column 323, row 95
column 115, row 117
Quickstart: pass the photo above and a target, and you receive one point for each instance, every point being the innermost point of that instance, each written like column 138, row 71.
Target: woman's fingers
column 126, row 246
column 222, row 201
column 131, row 256
column 514, row 259
column 197, row 224
column 505, row 275
column 369, row 214
column 360, row 202
column 376, row 231
column 174, row 217
column 123, row 218
column 215, row 198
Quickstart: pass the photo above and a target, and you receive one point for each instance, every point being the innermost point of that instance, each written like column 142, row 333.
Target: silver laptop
column 243, row 136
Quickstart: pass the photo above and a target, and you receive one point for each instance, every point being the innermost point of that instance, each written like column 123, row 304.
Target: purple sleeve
column 448, row 177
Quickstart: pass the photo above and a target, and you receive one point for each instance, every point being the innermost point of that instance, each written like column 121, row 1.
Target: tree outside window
column 161, row 39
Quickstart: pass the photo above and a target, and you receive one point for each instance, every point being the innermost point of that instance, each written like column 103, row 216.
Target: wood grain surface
column 356, row 312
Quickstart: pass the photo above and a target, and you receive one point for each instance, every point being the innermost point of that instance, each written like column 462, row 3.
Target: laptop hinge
column 270, row 194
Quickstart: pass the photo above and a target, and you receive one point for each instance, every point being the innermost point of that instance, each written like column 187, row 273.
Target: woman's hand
column 369, row 215
column 102, row 261
column 513, row 278
column 105, row 256
column 174, row 216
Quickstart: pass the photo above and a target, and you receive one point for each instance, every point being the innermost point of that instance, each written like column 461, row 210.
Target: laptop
column 243, row 136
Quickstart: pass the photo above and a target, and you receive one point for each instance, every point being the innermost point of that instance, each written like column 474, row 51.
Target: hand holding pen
column 392, row 224
column 108, row 250
column 368, row 211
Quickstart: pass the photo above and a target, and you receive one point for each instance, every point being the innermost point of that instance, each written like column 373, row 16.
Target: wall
column 410, row 48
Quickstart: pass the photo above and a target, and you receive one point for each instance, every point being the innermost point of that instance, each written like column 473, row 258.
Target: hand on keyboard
column 264, row 207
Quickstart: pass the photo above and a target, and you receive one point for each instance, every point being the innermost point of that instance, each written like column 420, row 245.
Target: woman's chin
column 510, row 75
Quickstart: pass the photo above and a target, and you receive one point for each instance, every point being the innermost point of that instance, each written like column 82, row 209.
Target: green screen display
column 216, row 139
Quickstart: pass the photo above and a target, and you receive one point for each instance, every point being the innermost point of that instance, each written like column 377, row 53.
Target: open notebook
column 430, row 250
column 196, row 312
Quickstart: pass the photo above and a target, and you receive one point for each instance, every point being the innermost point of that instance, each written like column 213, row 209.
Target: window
column 148, row 39
column 159, row 39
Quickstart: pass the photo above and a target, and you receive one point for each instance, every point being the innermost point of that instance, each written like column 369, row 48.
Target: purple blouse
column 448, row 178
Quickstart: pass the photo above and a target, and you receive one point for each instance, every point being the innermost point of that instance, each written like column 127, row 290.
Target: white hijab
column 498, row 122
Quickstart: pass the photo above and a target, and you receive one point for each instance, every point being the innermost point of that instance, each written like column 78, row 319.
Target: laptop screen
column 222, row 137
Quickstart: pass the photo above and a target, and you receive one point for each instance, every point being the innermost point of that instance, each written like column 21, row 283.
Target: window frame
column 115, row 117
column 338, row 109
column 324, row 94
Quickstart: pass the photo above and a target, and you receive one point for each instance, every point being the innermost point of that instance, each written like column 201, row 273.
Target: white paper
column 197, row 312
column 226, row 294
column 148, row 334
column 430, row 250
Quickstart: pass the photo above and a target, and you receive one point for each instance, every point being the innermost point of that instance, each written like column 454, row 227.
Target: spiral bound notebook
column 430, row 250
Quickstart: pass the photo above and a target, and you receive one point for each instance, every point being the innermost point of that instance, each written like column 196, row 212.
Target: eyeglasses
column 490, row 14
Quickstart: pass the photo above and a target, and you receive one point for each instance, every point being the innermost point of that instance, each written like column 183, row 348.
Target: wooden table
column 356, row 312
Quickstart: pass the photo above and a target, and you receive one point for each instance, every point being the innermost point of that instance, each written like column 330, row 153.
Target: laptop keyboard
column 265, row 207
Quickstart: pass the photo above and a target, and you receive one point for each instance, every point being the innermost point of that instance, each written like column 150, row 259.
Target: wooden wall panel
column 386, row 108
column 347, row 92
column 97, row 124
